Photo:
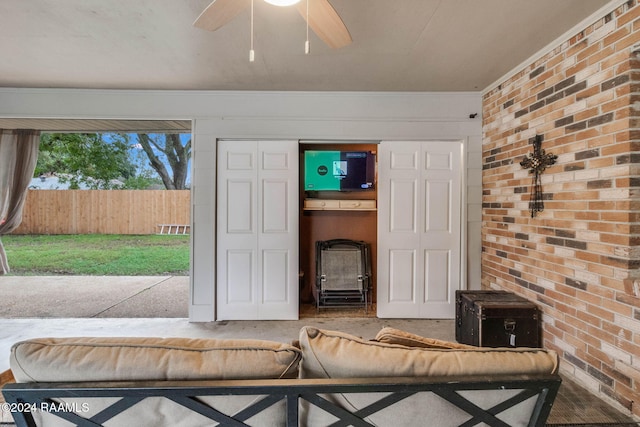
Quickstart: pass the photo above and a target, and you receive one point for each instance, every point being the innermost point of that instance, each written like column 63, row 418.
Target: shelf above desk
column 339, row 205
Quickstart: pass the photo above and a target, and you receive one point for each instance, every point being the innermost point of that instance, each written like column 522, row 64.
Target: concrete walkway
column 94, row 297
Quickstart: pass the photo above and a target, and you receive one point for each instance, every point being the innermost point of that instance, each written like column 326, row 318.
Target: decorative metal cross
column 537, row 162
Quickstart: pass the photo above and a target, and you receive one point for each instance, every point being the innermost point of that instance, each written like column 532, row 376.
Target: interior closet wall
column 318, row 225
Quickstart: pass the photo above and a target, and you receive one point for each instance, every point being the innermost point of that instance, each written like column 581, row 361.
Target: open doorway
column 122, row 216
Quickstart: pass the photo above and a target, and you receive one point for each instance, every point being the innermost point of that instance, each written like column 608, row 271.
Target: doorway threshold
column 310, row 310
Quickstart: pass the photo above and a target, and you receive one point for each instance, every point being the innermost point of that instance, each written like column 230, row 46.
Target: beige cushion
column 132, row 359
column 332, row 354
column 396, row 336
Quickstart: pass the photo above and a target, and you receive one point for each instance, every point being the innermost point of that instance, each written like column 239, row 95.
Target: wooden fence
column 103, row 211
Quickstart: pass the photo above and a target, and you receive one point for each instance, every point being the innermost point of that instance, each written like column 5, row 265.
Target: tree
column 168, row 147
column 84, row 158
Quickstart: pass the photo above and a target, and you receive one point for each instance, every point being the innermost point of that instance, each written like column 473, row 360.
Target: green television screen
column 338, row 170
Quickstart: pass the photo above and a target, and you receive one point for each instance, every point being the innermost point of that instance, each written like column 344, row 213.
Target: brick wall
column 579, row 259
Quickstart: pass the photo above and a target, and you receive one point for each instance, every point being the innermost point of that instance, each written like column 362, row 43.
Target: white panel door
column 278, row 230
column 257, row 225
column 419, row 235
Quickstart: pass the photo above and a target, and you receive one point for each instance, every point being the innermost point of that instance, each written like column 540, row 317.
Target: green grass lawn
column 98, row 255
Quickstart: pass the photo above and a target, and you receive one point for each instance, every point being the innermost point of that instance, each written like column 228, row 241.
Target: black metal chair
column 343, row 273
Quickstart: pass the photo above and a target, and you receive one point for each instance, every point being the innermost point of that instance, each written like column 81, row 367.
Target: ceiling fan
column 321, row 18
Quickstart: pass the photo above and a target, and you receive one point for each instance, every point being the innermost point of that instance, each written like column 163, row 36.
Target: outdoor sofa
column 325, row 378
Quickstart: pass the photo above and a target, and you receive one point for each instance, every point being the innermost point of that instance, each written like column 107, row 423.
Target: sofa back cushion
column 332, row 354
column 133, row 359
column 155, row 359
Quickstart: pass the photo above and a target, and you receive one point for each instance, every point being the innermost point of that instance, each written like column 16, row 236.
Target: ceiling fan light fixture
column 282, row 2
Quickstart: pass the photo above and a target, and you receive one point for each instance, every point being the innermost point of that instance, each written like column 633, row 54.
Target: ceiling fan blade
column 219, row 12
column 325, row 22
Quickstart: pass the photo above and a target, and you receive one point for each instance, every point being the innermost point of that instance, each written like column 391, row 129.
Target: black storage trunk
column 496, row 319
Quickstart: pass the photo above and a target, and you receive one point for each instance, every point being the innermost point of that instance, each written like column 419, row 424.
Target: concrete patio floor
column 63, row 306
column 67, row 306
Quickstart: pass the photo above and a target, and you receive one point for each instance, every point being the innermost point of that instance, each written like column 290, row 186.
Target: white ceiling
column 402, row 45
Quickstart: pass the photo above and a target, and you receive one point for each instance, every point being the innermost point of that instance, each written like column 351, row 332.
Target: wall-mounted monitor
column 339, row 170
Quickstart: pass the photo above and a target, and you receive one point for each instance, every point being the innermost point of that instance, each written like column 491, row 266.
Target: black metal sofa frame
column 22, row 397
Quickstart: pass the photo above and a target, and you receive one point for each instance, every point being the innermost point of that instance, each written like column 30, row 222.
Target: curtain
column 18, row 156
